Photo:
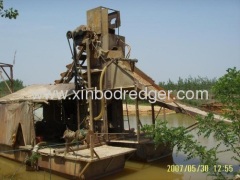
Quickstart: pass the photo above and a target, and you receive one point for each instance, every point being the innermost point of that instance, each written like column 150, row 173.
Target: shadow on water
column 140, row 170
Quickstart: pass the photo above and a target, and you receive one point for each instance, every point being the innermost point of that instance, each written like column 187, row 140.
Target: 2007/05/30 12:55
column 199, row 168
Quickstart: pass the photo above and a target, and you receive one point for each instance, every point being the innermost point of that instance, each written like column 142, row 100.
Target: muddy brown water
column 161, row 169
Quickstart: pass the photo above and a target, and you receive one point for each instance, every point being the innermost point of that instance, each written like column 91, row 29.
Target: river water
column 137, row 170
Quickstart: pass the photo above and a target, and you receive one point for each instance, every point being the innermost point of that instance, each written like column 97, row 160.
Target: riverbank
column 145, row 110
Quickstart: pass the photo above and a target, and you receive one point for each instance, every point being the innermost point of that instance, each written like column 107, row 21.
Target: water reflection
column 158, row 169
column 11, row 170
column 174, row 120
column 136, row 170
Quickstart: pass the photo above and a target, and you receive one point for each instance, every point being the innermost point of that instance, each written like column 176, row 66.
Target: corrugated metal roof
column 40, row 93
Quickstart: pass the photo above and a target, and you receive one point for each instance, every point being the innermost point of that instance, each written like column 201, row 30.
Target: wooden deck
column 104, row 152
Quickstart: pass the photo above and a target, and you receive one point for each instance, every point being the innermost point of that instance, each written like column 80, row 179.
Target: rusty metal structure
column 100, row 63
column 9, row 75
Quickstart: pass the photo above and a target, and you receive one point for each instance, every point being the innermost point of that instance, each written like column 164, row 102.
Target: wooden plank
column 84, row 155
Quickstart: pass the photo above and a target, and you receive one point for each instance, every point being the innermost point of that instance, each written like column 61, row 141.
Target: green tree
column 227, row 91
column 8, row 13
column 190, row 83
column 17, row 85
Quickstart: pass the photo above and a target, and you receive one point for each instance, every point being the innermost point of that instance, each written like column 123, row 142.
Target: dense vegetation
column 226, row 91
column 17, row 85
column 190, row 83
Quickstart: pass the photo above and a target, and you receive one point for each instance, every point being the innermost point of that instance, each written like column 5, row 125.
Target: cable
column 70, row 47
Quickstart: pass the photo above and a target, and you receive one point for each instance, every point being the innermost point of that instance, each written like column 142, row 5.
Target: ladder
column 127, row 115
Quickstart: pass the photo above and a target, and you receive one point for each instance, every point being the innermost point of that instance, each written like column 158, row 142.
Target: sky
column 170, row 38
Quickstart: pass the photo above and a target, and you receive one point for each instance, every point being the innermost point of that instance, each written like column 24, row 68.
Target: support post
column 1, row 76
column 92, row 146
column 78, row 114
column 137, row 119
column 76, row 82
column 11, row 78
column 90, row 96
column 105, row 121
column 153, row 114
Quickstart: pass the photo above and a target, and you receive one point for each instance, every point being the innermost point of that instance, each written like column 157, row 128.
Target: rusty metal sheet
column 115, row 54
column 114, row 19
column 96, row 18
column 117, row 77
column 115, row 42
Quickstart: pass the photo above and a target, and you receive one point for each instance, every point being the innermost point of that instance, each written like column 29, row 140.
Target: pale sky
column 170, row 38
